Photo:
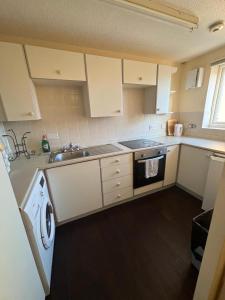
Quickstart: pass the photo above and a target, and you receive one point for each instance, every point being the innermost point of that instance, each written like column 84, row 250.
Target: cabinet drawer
column 117, row 196
column 116, row 160
column 116, row 171
column 117, row 183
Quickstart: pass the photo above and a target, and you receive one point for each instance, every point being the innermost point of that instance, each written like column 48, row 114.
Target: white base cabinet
column 193, row 169
column 117, row 178
column 171, row 165
column 75, row 189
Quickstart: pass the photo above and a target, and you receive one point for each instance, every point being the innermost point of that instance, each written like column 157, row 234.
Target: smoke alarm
column 216, row 26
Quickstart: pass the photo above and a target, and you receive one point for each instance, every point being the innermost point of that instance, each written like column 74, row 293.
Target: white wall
column 192, row 101
column 64, row 119
column 19, row 279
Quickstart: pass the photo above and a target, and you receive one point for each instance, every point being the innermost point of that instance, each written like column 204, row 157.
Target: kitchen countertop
column 23, row 171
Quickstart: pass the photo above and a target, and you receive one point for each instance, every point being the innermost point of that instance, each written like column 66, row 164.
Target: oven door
column 139, row 172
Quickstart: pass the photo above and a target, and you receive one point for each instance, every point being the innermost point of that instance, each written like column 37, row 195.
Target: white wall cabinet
column 138, row 72
column 45, row 63
column 157, row 98
column 171, row 165
column 193, row 169
column 75, row 189
column 104, row 86
column 17, row 92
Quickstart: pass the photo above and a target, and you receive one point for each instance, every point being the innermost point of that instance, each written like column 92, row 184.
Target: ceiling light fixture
column 159, row 11
column 216, row 26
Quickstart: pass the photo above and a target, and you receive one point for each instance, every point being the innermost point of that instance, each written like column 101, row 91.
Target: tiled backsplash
column 196, row 118
column 64, row 120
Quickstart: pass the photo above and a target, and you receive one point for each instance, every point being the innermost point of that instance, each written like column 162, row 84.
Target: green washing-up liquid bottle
column 45, row 144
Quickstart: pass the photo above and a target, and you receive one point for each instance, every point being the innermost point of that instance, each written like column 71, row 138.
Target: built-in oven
column 140, row 157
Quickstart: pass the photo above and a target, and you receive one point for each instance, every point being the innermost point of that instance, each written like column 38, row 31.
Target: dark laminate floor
column 135, row 251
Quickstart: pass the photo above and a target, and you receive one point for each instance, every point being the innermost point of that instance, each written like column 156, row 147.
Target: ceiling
column 98, row 24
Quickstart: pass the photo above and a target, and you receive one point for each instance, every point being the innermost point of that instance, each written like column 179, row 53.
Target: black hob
column 141, row 143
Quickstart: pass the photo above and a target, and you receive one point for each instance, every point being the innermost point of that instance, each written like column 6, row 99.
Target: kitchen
column 112, row 153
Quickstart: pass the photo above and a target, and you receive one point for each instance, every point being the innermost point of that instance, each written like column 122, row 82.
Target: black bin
column 200, row 229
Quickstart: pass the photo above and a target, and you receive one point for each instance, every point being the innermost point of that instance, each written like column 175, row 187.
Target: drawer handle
column 139, row 78
column 118, row 171
column 118, row 196
column 118, row 184
column 117, row 160
column 58, row 72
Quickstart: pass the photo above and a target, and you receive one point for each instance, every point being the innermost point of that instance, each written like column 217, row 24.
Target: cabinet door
column 157, row 98
column 17, row 92
column 171, row 165
column 137, row 72
column 104, row 80
column 75, row 189
column 55, row 64
column 163, row 89
column 193, row 169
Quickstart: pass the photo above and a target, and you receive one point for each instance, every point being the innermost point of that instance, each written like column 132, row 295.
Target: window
column 214, row 113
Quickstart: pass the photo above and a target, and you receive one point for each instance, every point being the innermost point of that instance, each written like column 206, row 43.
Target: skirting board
column 189, row 192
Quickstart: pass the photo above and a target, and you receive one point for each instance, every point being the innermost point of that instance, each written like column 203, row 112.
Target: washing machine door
column 47, row 224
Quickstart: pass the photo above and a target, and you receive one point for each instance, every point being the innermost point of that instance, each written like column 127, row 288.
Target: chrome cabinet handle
column 118, row 171
column 117, row 160
column 118, row 184
column 118, row 196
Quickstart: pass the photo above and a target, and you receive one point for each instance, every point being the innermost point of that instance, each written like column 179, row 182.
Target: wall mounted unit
column 194, row 78
column 46, row 63
column 18, row 99
column 157, row 98
column 103, row 94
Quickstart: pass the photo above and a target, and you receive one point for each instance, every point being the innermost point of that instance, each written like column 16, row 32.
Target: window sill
column 213, row 128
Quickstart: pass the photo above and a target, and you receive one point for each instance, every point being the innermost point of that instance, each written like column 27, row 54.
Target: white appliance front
column 38, row 217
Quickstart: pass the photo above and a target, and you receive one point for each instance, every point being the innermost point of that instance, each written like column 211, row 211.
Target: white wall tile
column 63, row 115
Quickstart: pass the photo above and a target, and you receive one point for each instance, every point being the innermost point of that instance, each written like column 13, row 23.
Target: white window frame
column 212, row 98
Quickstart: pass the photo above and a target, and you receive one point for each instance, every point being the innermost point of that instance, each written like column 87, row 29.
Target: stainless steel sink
column 91, row 151
column 61, row 156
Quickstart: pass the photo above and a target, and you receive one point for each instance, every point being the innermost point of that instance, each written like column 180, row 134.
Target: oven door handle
column 144, row 160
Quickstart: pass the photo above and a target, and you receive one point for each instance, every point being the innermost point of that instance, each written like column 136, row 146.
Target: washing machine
column 38, row 218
